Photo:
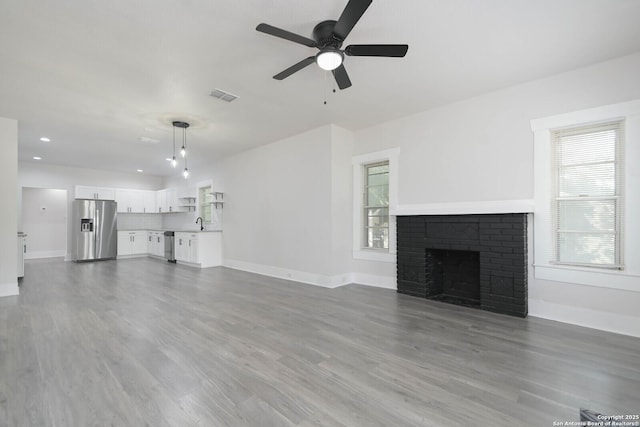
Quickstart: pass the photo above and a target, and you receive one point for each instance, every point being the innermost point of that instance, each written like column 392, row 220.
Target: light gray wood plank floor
column 141, row 342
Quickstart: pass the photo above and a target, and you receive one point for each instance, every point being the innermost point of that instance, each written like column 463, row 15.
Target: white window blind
column 588, row 195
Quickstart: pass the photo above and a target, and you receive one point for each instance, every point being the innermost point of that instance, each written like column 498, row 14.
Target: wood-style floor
column 141, row 342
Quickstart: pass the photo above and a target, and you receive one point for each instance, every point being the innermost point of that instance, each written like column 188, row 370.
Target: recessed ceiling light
column 140, row 170
column 37, row 158
column 45, row 139
column 168, row 159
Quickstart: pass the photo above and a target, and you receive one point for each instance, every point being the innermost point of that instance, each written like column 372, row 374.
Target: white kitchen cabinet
column 149, row 201
column 201, row 249
column 135, row 201
column 167, row 200
column 101, row 193
column 193, row 248
column 132, row 243
column 182, row 245
column 172, row 200
column 187, row 247
column 210, row 249
column 155, row 243
column 161, row 201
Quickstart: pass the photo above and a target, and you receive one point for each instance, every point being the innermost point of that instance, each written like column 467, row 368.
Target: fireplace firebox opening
column 453, row 276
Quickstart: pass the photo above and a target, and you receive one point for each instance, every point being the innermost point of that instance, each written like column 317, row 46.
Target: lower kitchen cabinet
column 196, row 249
column 202, row 249
column 187, row 247
column 155, row 243
column 132, row 243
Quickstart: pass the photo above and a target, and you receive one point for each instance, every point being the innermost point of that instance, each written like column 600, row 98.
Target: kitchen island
column 195, row 248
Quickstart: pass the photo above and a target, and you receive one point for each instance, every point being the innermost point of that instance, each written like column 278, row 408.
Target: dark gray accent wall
column 500, row 240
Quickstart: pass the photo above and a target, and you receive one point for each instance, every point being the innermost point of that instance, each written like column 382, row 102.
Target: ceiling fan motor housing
column 323, row 35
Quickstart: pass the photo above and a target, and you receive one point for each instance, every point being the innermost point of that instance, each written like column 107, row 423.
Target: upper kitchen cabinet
column 168, row 200
column 136, row 201
column 100, row 193
column 149, row 201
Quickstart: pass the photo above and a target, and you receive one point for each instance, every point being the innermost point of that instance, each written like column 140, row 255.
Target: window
column 375, row 199
column 376, row 206
column 585, row 165
column 587, row 205
column 205, row 198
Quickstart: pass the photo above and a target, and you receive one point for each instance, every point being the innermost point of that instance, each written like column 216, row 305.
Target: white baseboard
column 131, row 256
column 313, row 278
column 385, row 282
column 9, row 289
column 44, row 254
column 606, row 321
column 289, row 274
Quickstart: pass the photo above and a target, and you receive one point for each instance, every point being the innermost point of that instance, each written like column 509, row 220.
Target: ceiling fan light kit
column 328, row 37
column 329, row 59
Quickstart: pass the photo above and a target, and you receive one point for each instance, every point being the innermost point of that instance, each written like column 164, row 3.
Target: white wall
column 481, row 149
column 285, row 211
column 42, row 175
column 9, row 211
column 44, row 220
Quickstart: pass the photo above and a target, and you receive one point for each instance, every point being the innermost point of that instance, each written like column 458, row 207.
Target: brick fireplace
column 470, row 260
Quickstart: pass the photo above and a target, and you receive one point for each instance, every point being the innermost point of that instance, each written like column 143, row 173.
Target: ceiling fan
column 328, row 37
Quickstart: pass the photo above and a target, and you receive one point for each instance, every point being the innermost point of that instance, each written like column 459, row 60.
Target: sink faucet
column 201, row 224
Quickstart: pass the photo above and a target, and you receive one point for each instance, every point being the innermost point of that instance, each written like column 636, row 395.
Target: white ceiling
column 96, row 76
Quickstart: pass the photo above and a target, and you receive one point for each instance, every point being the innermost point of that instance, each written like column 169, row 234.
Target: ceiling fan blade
column 351, row 14
column 341, row 76
column 294, row 68
column 283, row 34
column 389, row 50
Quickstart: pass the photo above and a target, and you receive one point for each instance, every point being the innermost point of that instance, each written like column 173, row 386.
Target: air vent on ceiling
column 224, row 96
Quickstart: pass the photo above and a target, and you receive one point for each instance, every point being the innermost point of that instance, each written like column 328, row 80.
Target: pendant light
column 183, row 150
column 174, row 162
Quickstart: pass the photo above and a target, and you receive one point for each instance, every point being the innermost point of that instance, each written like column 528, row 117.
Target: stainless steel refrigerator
column 95, row 234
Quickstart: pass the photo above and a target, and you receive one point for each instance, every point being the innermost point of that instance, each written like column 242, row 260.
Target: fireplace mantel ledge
column 467, row 208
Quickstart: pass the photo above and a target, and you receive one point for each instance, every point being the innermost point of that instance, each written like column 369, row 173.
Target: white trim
column 590, row 115
column 9, row 289
column 605, row 321
column 289, row 274
column 589, row 276
column 130, row 256
column 374, row 255
column 385, row 282
column 467, row 208
column 372, row 280
column 45, row 254
column 392, row 155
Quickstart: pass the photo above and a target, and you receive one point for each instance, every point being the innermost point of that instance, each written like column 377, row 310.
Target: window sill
column 373, row 255
column 612, row 279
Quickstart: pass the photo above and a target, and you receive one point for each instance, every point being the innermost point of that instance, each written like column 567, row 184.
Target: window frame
column 366, row 207
column 358, row 164
column 618, row 197
column 543, row 267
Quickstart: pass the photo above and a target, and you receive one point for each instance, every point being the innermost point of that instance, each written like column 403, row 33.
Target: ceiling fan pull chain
column 324, row 88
